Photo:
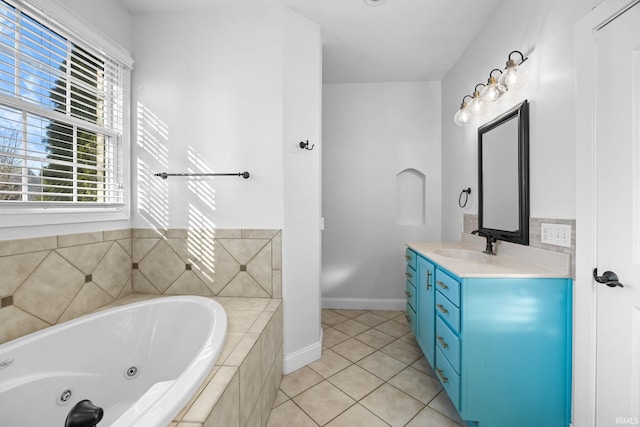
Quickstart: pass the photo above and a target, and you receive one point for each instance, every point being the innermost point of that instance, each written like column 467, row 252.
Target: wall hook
column 305, row 145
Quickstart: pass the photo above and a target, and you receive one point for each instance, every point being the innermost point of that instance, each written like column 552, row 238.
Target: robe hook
column 305, row 145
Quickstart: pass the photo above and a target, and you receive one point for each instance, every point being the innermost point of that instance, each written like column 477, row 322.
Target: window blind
column 61, row 116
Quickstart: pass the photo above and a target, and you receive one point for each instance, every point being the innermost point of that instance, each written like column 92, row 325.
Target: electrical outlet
column 556, row 234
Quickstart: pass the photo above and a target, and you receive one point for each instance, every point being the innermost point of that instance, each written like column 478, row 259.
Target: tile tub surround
column 241, row 388
column 47, row 280
column 218, row 262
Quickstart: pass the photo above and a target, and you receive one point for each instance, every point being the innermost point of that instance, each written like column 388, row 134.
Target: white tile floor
column 372, row 373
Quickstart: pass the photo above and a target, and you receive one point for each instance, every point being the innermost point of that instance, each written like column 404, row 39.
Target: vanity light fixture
column 514, row 77
column 493, row 91
column 463, row 115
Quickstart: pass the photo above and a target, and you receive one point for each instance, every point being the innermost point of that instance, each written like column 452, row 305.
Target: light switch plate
column 556, row 234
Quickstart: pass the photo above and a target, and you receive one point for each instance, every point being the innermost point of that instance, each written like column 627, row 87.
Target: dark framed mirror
column 503, row 176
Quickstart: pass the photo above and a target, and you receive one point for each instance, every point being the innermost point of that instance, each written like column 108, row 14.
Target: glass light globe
column 493, row 91
column 462, row 116
column 476, row 105
column 514, row 76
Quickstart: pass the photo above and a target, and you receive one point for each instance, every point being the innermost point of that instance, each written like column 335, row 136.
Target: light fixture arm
column 511, row 63
column 491, row 74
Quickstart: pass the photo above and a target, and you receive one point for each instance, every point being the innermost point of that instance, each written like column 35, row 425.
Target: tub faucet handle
column 84, row 414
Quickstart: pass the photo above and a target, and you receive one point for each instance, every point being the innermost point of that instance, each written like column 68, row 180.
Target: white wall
column 372, row 132
column 227, row 90
column 107, row 16
column 302, row 191
column 208, row 97
column 543, row 31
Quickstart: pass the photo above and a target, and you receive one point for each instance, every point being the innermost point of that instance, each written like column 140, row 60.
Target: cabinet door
column 425, row 311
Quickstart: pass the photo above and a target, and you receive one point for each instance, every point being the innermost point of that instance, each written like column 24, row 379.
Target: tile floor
column 372, row 373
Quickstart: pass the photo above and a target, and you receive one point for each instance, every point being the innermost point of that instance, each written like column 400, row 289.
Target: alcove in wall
column 410, row 197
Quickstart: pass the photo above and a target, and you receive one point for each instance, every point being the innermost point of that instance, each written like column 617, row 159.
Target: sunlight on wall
column 201, row 187
column 200, row 243
column 153, row 193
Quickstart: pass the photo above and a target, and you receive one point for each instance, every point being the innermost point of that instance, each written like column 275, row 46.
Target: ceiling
column 396, row 40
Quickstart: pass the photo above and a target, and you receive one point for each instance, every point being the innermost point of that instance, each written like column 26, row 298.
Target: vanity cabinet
column 410, row 288
column 500, row 346
column 426, row 315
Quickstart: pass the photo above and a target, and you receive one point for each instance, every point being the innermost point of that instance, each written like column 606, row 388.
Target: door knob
column 609, row 278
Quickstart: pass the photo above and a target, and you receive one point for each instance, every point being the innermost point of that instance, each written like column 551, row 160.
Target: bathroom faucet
column 84, row 414
column 490, row 241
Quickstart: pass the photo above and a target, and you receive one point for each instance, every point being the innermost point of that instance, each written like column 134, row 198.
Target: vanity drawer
column 410, row 315
column 449, row 378
column 410, row 256
column 449, row 286
column 449, row 343
column 410, row 273
column 449, row 312
column 410, row 293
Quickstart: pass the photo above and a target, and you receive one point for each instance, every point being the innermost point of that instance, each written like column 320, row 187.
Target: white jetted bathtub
column 139, row 363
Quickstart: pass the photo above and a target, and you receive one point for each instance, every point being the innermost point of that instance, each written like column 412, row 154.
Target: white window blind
column 61, row 116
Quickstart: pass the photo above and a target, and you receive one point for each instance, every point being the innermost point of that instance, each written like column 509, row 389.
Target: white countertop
column 511, row 260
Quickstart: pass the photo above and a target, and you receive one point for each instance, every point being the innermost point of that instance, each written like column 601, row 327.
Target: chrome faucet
column 490, row 241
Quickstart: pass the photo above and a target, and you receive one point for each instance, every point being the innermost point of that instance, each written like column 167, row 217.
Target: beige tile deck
column 371, row 374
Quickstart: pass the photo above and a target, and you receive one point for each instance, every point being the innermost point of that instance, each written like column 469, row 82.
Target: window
column 62, row 117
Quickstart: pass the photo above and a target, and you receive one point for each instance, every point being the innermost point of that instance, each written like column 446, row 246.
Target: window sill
column 24, row 217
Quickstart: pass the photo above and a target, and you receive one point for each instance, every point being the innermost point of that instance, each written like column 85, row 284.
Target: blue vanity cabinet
column 425, row 334
column 503, row 348
column 410, row 288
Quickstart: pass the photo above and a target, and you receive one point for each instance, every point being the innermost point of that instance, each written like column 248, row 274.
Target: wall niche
column 410, row 197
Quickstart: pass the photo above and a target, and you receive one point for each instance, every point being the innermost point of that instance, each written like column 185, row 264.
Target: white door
column 617, row 130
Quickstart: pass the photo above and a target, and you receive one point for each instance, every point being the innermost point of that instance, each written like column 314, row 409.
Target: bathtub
column 141, row 363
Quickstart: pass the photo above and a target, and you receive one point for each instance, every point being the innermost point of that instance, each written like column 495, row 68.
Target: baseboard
column 304, row 356
column 364, row 303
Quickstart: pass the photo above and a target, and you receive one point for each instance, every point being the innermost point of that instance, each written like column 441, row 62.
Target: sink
column 463, row 254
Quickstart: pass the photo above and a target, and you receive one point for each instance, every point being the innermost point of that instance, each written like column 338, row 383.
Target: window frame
column 59, row 19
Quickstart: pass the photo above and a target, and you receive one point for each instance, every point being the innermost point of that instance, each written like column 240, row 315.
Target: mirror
column 503, row 176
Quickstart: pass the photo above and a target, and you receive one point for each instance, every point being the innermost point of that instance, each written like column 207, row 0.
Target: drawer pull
column 442, row 341
column 408, row 275
column 442, row 285
column 408, row 294
column 407, row 257
column 441, row 375
column 428, row 280
column 442, row 309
